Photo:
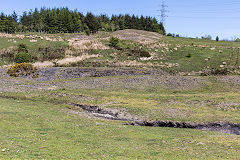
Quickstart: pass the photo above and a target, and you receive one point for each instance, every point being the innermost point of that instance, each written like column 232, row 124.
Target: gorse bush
column 22, row 57
column 113, row 42
column 22, row 69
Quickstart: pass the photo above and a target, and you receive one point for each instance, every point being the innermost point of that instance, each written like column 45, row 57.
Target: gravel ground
column 102, row 78
column 233, row 80
column 54, row 73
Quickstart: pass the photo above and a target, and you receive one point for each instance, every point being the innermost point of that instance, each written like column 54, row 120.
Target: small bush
column 87, row 31
column 22, row 57
column 215, row 72
column 22, row 48
column 145, row 54
column 162, row 32
column 207, row 37
column 22, row 69
column 113, row 42
column 237, row 40
column 8, row 53
column 50, row 53
column 141, row 53
column 189, row 55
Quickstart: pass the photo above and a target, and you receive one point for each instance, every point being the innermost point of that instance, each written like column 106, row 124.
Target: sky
column 189, row 18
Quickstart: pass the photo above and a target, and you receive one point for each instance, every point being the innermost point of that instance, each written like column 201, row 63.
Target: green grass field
column 42, row 130
column 193, row 53
column 39, row 125
column 32, row 46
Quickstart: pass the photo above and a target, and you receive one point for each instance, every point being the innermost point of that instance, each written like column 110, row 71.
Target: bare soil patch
column 107, row 113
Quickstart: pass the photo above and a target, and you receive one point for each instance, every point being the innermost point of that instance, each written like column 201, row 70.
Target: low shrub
column 22, row 57
column 137, row 53
column 215, row 72
column 87, row 31
column 50, row 53
column 22, row 69
column 8, row 53
column 189, row 55
column 113, row 42
column 141, row 53
column 22, row 48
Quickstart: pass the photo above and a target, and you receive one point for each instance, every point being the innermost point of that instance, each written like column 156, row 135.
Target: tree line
column 63, row 20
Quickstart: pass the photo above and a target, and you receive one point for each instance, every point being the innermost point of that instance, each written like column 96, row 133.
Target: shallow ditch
column 113, row 114
column 109, row 114
column 219, row 127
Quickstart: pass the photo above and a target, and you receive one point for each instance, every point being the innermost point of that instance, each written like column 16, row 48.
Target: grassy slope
column 198, row 49
column 195, row 47
column 42, row 130
column 37, row 126
column 32, row 47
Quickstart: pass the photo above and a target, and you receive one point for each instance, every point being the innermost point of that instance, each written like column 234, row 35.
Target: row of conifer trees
column 63, row 20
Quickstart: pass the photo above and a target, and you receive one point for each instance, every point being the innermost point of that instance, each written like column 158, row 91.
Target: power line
column 163, row 12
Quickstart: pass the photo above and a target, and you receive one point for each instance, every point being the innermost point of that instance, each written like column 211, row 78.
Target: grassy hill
column 136, row 48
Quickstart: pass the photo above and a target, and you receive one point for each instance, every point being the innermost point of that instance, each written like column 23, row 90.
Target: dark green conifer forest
column 63, row 20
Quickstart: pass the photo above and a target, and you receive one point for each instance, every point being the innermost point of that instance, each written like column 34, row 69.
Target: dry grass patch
column 64, row 61
column 70, row 60
column 43, row 64
column 143, row 37
column 133, row 64
column 83, row 43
